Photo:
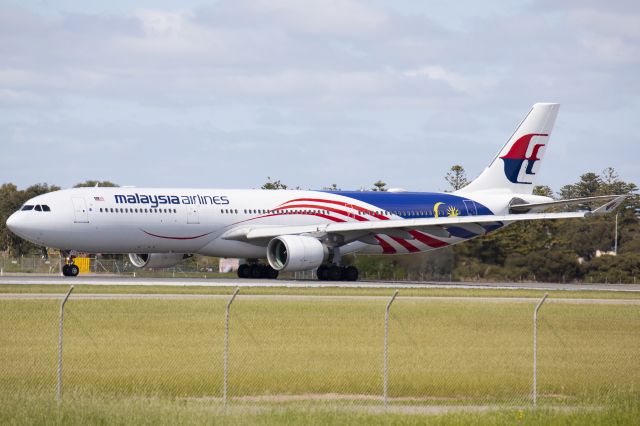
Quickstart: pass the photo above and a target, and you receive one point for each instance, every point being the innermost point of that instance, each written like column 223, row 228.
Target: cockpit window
column 45, row 208
column 27, row 207
column 38, row 208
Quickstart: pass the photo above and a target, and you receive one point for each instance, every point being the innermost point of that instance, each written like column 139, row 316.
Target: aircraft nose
column 15, row 223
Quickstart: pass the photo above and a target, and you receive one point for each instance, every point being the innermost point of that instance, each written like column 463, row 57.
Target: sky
column 224, row 94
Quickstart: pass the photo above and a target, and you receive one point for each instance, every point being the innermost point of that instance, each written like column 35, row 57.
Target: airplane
column 296, row 230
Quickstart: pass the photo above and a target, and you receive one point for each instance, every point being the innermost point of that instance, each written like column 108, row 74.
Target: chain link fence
column 106, row 266
column 100, row 266
column 322, row 349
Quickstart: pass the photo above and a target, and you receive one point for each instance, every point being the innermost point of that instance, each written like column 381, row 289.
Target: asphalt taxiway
column 101, row 280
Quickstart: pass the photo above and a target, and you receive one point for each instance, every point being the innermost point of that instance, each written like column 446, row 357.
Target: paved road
column 200, row 282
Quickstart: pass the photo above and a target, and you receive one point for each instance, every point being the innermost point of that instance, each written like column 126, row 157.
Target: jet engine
column 157, row 260
column 289, row 253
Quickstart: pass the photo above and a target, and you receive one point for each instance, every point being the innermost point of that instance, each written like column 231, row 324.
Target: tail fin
column 516, row 166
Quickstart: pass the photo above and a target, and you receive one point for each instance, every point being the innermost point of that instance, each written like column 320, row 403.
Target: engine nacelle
column 157, row 260
column 289, row 253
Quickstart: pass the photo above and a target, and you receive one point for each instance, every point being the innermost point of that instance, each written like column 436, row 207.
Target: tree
column 333, row 187
column 588, row 186
column 379, row 186
column 92, row 183
column 273, row 184
column 456, row 177
column 543, row 190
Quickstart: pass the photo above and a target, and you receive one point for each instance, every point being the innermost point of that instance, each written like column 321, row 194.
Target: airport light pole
column 534, row 391
column 226, row 348
column 385, row 380
column 615, row 240
column 59, row 382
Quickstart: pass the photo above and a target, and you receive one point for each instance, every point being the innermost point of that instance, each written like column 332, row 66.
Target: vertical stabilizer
column 516, row 166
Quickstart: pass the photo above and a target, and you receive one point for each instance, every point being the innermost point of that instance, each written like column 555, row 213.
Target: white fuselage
column 169, row 220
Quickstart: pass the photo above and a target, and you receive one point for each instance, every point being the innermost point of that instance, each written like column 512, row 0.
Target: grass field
column 156, row 411
column 317, row 291
column 317, row 359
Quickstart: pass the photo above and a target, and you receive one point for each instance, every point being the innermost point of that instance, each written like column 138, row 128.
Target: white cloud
column 340, row 80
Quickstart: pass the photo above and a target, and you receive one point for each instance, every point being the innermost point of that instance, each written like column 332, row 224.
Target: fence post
column 59, row 382
column 385, row 380
column 226, row 347
column 534, row 391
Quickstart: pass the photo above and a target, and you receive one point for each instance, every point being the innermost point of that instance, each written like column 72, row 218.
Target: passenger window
column 38, row 208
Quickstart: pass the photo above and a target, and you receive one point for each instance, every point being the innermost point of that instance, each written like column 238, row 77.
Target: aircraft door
column 80, row 210
column 192, row 214
column 471, row 208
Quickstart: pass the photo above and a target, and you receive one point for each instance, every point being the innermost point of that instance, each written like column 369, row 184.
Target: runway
column 101, row 280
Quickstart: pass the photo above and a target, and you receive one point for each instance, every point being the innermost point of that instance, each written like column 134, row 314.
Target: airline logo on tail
column 517, row 158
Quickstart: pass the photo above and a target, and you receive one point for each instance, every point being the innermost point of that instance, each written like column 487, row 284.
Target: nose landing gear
column 69, row 269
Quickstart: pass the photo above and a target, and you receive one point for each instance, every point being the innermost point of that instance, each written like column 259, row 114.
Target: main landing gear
column 337, row 273
column 70, row 269
column 257, row 270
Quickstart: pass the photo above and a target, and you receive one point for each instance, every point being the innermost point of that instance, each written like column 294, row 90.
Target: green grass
column 154, row 359
column 457, row 351
column 156, row 411
column 324, row 291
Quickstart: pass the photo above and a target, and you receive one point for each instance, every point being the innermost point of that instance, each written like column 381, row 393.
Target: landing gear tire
column 70, row 270
column 244, row 271
column 272, row 274
column 74, row 270
column 337, row 273
column 322, row 273
column 350, row 273
column 334, row 273
column 257, row 270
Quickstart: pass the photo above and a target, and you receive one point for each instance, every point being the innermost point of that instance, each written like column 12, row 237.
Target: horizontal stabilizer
column 526, row 207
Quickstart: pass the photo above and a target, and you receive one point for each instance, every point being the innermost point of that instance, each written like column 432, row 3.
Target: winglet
column 610, row 206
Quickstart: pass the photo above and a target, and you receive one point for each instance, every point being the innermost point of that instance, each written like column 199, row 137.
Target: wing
column 351, row 231
column 527, row 207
